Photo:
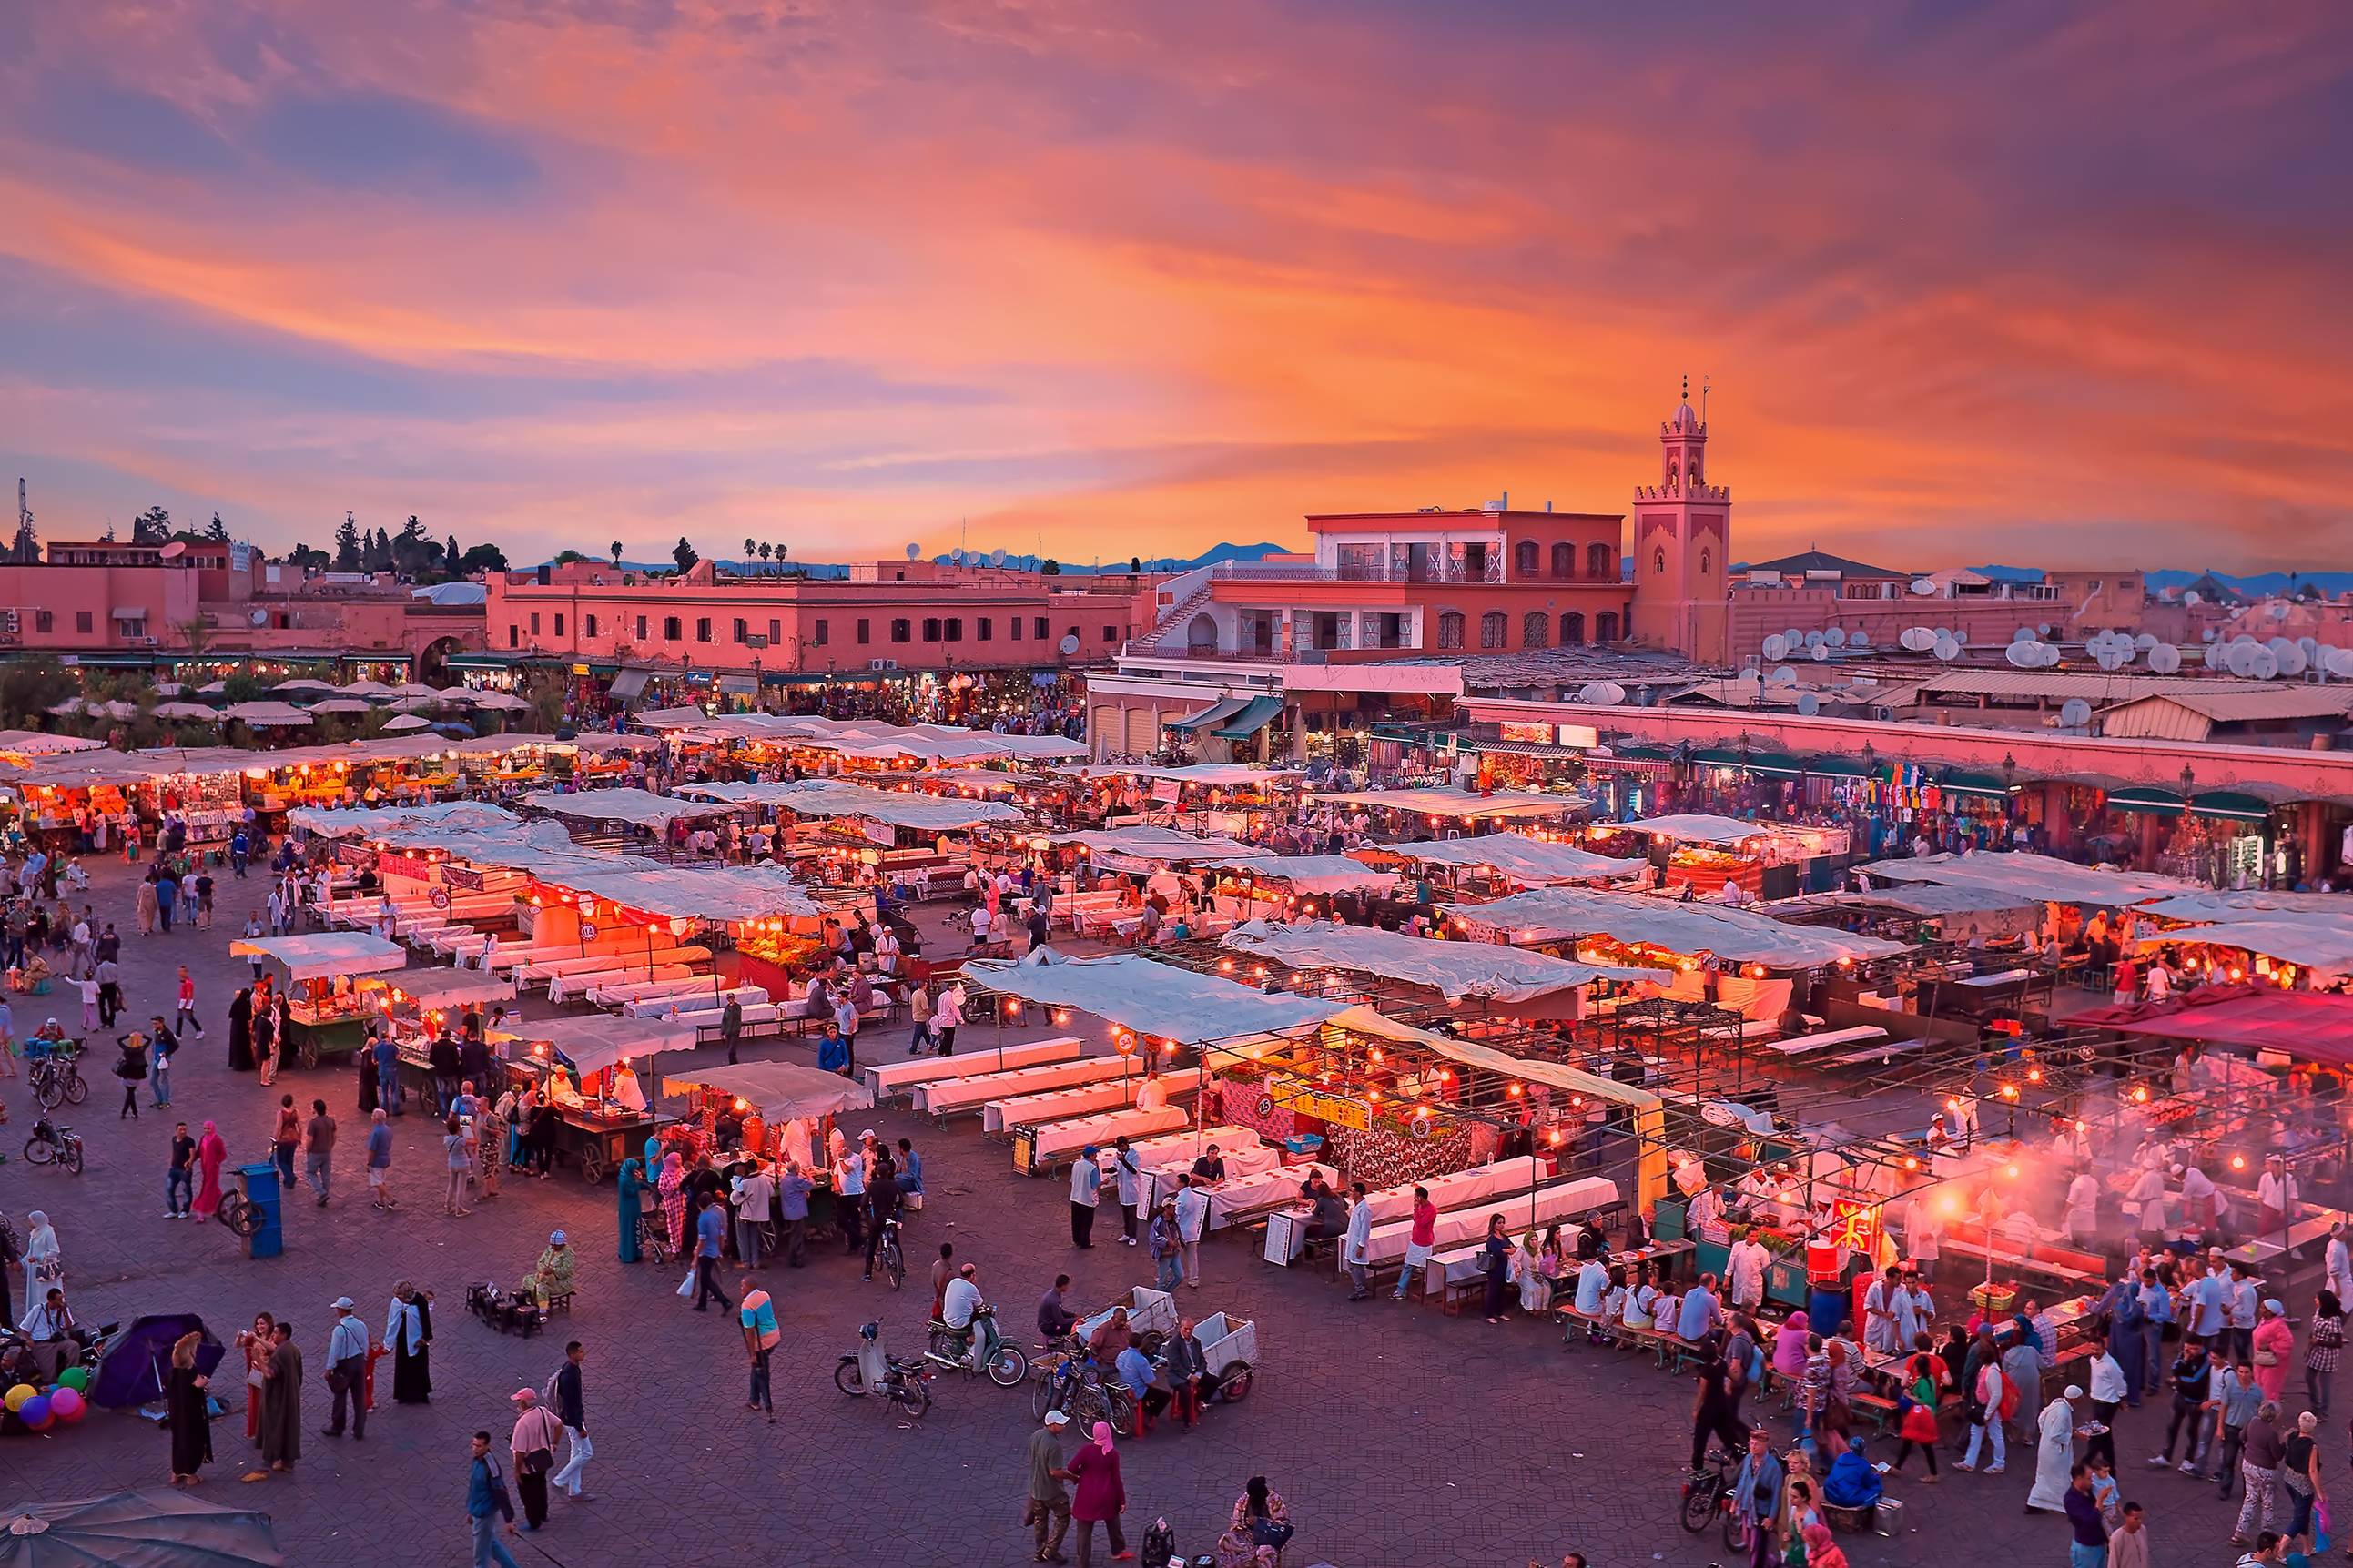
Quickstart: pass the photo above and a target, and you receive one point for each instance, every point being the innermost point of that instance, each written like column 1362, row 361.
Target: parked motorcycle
column 870, row 1373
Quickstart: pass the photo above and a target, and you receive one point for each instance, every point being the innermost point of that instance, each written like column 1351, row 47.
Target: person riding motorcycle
column 960, row 1304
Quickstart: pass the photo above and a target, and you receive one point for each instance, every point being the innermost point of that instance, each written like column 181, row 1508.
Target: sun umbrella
column 341, row 705
column 417, row 705
column 167, row 689
column 131, row 1371
column 302, row 683
column 415, row 689
column 368, row 689
column 196, row 710
column 138, row 1529
column 212, row 688
column 407, row 721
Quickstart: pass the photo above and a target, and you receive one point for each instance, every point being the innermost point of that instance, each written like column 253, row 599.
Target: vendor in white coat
column 2084, row 1209
column 2276, row 1196
column 1745, row 1272
column 1923, row 1235
column 1356, row 1250
column 1129, row 1176
column 2148, row 1198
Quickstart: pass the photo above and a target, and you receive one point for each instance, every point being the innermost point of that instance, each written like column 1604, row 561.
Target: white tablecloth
column 699, row 999
column 1244, row 1198
column 948, row 1096
column 888, row 1079
column 1456, row 1189
column 583, row 982
column 1056, row 1105
column 1059, row 1138
column 1560, row 1200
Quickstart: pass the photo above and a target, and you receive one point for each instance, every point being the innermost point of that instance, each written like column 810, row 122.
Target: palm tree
column 765, row 551
column 617, row 553
column 750, row 548
column 780, row 553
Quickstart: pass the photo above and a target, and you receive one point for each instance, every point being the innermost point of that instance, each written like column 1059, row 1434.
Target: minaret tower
column 1682, row 532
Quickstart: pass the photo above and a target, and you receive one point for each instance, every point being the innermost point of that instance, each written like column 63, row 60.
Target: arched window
column 1605, row 626
column 1564, row 560
column 1493, row 627
column 1536, row 629
column 1524, row 558
column 1572, row 629
column 1600, row 562
column 1200, row 634
column 1706, row 561
column 1659, row 560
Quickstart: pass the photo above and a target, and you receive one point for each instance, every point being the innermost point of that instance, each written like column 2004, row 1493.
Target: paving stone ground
column 1398, row 1435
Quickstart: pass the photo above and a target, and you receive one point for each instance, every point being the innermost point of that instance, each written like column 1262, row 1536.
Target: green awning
column 1251, row 719
column 2228, row 804
column 1959, row 781
column 1642, row 752
column 479, row 662
column 1217, row 712
column 1835, row 767
column 2146, row 798
column 1776, row 764
column 1719, row 757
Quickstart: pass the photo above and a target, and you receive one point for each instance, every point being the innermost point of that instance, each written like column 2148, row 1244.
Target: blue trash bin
column 263, row 1192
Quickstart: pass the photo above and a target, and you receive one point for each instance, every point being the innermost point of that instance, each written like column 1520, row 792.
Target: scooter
column 979, row 1348
column 869, row 1373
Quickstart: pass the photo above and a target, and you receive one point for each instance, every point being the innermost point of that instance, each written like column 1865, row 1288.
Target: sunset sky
column 2043, row 284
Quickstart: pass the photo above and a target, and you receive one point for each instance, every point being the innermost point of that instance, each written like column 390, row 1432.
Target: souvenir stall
column 588, row 1070
column 328, row 1013
column 1759, row 861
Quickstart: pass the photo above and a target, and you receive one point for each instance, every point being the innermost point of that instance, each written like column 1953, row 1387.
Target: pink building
column 1814, row 590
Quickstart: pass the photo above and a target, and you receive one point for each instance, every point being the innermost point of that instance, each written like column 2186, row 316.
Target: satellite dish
column 2106, row 655
column 1589, row 692
column 259, row 617
column 1809, row 704
column 1821, row 654
column 997, row 557
column 2165, row 658
column 1813, row 639
column 1924, row 586
column 2192, row 597
column 2268, row 664
column 1794, row 636
column 1783, row 675
column 2340, row 661
column 1776, row 647
column 2050, row 655
column 2294, row 662
column 913, row 551
column 1611, row 693
column 2212, row 654
column 957, row 555
column 2240, row 660
column 1859, row 639
column 1068, row 645
column 2023, row 634
column 2074, row 713
column 2042, row 630
column 1946, row 646
column 2145, row 641
column 2020, row 655
column 1919, row 639
column 2277, row 612
column 1835, row 637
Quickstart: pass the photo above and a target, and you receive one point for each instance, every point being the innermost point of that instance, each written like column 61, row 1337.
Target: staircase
column 1169, row 635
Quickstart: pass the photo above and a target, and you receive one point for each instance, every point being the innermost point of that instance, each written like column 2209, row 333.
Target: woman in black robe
column 366, row 1055
column 412, row 1370
column 240, row 1031
column 184, row 1401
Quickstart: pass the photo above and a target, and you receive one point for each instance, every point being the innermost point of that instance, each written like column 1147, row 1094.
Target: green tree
column 684, row 553
column 780, row 553
column 216, row 530
column 152, row 526
column 29, row 687
column 197, row 632
column 243, row 686
column 545, row 694
column 347, row 545
column 566, row 557
column 617, row 555
column 483, row 558
column 303, row 558
column 750, row 548
column 1053, row 568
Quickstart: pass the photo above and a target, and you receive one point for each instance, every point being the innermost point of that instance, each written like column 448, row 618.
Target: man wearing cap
column 347, row 1348
column 1048, row 1511
column 1086, row 1191
column 533, row 1447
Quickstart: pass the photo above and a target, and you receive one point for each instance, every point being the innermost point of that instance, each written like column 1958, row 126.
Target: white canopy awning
column 335, row 822
column 2038, row 877
column 1743, row 936
column 1216, row 776
column 1461, row 805
column 780, row 1091
column 2323, row 944
column 1310, row 873
column 321, row 955
column 1699, row 827
column 1536, row 862
column 594, row 1043
column 1153, row 999
column 824, row 798
column 1456, row 970
column 432, row 988
column 640, row 808
column 724, row 893
column 1162, row 845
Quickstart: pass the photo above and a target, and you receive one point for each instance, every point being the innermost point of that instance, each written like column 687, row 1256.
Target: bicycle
column 240, row 1214
column 888, row 1254
column 52, row 1144
column 56, row 1080
column 1707, row 1494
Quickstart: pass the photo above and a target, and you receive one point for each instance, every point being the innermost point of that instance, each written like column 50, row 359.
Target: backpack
column 547, row 1394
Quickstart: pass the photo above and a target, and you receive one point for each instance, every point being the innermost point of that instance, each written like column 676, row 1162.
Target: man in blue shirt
column 793, row 1191
column 347, row 1348
column 1699, row 1311
column 709, row 1230
column 1134, row 1370
column 486, row 1498
column 387, row 1074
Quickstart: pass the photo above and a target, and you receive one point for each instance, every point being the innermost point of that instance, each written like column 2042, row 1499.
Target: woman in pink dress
column 210, row 1154
column 2274, row 1342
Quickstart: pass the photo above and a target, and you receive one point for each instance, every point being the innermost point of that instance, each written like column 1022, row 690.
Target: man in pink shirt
column 1418, row 1242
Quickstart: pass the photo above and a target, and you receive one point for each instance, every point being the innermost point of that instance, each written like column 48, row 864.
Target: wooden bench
column 1876, row 1409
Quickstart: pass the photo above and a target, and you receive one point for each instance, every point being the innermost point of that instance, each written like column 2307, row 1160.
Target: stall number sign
column 1303, row 1101
column 1522, row 731
column 1167, row 791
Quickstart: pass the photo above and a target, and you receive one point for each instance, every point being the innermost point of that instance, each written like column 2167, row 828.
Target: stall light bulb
column 1554, row 1138
column 2010, row 1091
column 1516, row 1092
column 1910, row 1163
column 2034, row 1075
column 2140, row 1096
column 2011, row 1171
column 2238, row 1161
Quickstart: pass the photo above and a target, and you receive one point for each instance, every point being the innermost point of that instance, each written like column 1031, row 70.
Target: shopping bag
column 686, row 1286
column 2319, row 1528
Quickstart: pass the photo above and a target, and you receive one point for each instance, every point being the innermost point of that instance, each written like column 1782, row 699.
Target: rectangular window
column 1013, row 625
column 82, row 620
column 588, row 625
column 983, row 628
column 1039, row 628
column 824, row 631
column 44, row 621
column 703, row 628
column 514, row 635
column 777, row 632
column 901, row 630
column 534, row 623
column 1111, row 633
column 742, row 629
column 670, row 628
column 955, row 628
column 864, row 633
column 641, row 628
column 559, row 624
column 931, row 628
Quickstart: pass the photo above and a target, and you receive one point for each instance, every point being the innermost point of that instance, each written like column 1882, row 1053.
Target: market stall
column 328, row 1014
column 605, row 1116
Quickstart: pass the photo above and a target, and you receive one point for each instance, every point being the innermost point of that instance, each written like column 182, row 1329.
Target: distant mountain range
column 2254, row 585
column 1209, row 557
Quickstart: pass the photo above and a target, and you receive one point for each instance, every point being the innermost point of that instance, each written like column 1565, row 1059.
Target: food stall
column 327, row 1015
column 604, row 1117
column 772, row 1111
column 1709, row 854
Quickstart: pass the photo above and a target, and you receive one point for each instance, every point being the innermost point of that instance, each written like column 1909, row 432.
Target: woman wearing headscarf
column 1852, row 1483
column 183, row 1405
column 408, row 1330
column 45, row 1261
column 211, row 1152
column 1260, row 1517
column 2274, row 1342
column 240, row 1030
column 1822, row 1550
column 673, row 1200
column 629, row 1182
column 1099, row 1497
column 553, row 1275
